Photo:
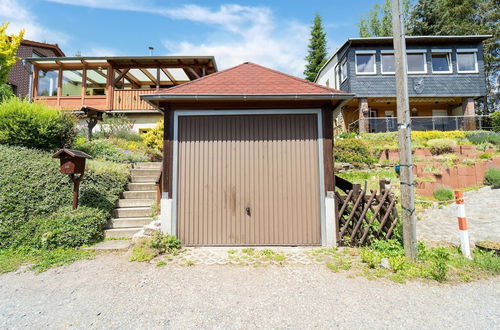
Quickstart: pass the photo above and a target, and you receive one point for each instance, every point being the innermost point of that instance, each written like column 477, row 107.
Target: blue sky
column 271, row 33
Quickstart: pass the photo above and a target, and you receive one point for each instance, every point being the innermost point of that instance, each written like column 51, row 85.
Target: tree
column 316, row 57
column 378, row 21
column 8, row 48
column 425, row 18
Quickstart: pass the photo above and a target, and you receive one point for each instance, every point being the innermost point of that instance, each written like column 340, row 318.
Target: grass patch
column 40, row 260
column 443, row 194
column 147, row 249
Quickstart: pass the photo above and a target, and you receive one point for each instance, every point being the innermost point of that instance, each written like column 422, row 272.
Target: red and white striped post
column 462, row 224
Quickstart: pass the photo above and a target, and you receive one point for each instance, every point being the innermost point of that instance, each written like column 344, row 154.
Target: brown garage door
column 248, row 180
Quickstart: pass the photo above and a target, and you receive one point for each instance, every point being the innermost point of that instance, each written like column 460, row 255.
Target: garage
column 249, row 161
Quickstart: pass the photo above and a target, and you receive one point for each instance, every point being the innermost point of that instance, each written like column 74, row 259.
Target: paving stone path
column 482, row 208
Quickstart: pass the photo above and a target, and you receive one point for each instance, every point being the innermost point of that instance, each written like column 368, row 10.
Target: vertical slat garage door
column 248, row 180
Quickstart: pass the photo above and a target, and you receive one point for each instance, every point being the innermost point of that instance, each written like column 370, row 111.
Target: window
column 416, row 62
column 96, row 82
column 387, row 59
column 441, row 61
column 365, row 62
column 71, row 83
column 47, row 83
column 466, row 61
column 343, row 71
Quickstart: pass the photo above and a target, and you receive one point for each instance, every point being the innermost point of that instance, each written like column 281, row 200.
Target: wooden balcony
column 73, row 102
column 129, row 99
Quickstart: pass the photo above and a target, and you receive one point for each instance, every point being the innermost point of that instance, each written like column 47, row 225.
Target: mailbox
column 72, row 161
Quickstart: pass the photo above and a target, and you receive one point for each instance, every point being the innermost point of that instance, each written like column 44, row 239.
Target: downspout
column 30, row 82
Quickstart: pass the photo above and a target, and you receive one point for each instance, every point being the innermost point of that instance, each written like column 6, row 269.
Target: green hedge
column 35, row 125
column 31, row 186
column 353, row 150
column 492, row 177
column 495, row 121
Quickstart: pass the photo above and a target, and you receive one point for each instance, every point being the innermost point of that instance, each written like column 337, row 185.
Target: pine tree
column 316, row 56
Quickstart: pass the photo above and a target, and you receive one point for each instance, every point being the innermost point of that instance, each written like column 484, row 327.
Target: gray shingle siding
column 424, row 85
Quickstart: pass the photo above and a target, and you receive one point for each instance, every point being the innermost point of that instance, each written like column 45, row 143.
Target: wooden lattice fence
column 363, row 217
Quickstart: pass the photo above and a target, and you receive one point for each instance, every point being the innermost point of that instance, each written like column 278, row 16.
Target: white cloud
column 101, row 51
column 21, row 18
column 243, row 33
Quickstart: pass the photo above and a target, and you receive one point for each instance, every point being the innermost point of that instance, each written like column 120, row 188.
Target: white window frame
column 343, row 70
column 386, row 52
column 448, row 54
column 336, row 75
column 366, row 52
column 417, row 51
column 467, row 50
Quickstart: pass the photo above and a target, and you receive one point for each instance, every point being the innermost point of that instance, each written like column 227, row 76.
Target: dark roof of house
column 54, row 47
column 71, row 152
column 248, row 81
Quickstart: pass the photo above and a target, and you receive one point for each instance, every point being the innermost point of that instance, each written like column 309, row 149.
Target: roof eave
column 151, row 98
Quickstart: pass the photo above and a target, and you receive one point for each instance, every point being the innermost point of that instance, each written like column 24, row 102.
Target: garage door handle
column 247, row 210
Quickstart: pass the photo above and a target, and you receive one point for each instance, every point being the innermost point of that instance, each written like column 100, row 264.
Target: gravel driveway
column 110, row 292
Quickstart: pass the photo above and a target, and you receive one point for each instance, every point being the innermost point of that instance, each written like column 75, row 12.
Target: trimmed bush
column 354, row 151
column 5, row 92
column 35, row 125
column 31, row 186
column 441, row 146
column 495, row 121
column 492, row 177
column 63, row 228
column 443, row 194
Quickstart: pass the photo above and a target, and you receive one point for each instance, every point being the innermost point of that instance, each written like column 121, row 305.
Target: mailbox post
column 73, row 163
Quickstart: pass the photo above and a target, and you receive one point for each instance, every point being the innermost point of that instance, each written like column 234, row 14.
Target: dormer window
column 467, row 61
column 441, row 61
column 365, row 62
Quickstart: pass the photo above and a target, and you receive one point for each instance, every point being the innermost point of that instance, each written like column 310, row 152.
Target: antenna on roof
column 151, row 48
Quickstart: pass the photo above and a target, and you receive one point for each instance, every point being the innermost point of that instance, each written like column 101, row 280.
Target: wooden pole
column 76, row 189
column 404, row 134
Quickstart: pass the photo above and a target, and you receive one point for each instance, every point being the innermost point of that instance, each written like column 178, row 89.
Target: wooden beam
column 149, row 75
column 130, row 77
column 158, row 78
column 120, row 76
column 169, row 75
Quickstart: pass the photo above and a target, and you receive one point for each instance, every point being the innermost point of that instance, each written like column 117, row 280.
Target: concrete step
column 146, row 194
column 111, row 245
column 144, row 172
column 144, row 179
column 121, row 232
column 135, row 202
column 141, row 187
column 130, row 222
column 148, row 165
column 132, row 212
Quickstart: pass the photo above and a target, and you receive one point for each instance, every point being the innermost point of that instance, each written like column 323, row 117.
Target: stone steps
column 134, row 202
column 133, row 209
column 130, row 222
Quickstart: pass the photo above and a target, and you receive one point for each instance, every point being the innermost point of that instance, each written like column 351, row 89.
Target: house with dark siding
column 19, row 76
column 445, row 79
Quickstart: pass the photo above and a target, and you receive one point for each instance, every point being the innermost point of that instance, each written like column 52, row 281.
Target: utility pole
column 404, row 134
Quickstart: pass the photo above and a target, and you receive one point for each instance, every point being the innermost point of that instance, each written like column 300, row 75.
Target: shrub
column 154, row 137
column 495, row 121
column 479, row 138
column 353, row 151
column 422, row 137
column 165, row 243
column 492, row 177
column 443, row 194
column 116, row 125
column 63, row 228
column 32, row 186
column 107, row 150
column 485, row 156
column 35, row 125
column 441, row 146
column 5, row 92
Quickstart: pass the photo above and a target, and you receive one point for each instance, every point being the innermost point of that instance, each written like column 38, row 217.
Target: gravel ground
column 482, row 208
column 110, row 292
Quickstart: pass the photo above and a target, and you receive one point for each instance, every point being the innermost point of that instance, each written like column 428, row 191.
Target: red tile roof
column 248, row 79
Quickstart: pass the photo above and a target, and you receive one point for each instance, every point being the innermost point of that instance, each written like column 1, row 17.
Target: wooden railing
column 129, row 99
